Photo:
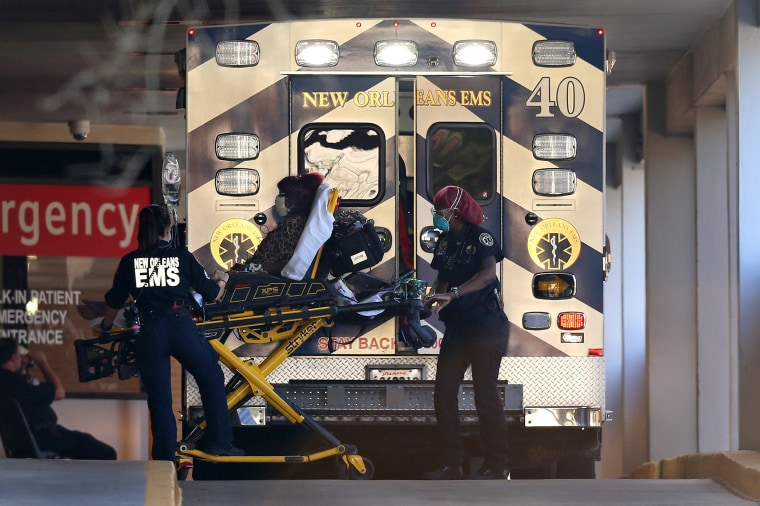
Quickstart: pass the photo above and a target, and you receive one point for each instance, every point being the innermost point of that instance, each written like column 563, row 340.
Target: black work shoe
column 491, row 473
column 226, row 451
column 445, row 473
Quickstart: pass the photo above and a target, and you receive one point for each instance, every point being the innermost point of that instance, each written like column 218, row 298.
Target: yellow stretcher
column 265, row 309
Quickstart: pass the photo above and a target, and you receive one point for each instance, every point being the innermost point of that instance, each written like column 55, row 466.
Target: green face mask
column 440, row 223
column 279, row 205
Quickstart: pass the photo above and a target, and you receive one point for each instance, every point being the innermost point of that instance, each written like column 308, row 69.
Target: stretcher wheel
column 182, row 473
column 182, row 466
column 349, row 472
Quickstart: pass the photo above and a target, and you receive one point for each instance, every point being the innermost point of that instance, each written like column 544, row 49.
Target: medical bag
column 354, row 244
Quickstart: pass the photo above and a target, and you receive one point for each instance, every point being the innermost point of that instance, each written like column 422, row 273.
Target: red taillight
column 596, row 352
column 571, row 321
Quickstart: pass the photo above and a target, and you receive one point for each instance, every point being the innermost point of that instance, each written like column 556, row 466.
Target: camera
column 80, row 129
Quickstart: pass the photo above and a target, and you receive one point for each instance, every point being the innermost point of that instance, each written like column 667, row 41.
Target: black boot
column 488, row 472
column 445, row 473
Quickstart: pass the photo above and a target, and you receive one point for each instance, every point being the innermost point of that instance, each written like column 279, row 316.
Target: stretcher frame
column 293, row 324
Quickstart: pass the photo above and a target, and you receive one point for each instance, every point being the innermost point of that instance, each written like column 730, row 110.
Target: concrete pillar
column 732, row 190
column 633, row 267
column 671, row 281
column 611, row 465
column 748, row 163
column 715, row 339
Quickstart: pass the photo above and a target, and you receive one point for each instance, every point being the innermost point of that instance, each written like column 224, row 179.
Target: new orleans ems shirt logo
column 162, row 271
column 234, row 241
column 554, row 244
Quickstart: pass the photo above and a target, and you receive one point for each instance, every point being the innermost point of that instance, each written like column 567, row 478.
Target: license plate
column 385, row 373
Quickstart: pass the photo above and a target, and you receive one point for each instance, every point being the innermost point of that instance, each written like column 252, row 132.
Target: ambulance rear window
column 462, row 155
column 349, row 157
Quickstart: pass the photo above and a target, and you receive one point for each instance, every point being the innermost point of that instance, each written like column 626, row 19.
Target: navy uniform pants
column 177, row 336
column 479, row 344
column 72, row 444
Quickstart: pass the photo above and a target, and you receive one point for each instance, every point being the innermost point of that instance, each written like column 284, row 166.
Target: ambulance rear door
column 458, row 125
column 344, row 127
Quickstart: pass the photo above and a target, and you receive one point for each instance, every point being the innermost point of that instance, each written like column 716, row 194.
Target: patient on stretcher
column 351, row 244
column 294, row 204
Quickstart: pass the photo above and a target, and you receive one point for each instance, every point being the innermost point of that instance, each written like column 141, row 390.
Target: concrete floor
column 90, row 483
column 419, row 493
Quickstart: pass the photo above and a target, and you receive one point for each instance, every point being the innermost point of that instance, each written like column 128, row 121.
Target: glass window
column 462, row 155
column 349, row 157
column 79, row 163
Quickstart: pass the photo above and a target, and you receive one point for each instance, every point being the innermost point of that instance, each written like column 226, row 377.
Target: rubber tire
column 350, row 472
column 183, row 473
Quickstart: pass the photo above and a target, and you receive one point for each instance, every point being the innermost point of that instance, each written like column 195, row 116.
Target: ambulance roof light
column 554, row 182
column 554, row 53
column 554, row 146
column 237, row 146
column 475, row 53
column 237, row 182
column 317, row 53
column 237, row 53
column 396, row 53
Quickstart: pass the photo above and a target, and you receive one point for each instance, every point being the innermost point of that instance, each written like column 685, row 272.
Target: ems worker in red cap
column 466, row 297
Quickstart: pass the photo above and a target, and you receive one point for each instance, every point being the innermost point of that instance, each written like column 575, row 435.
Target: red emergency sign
column 89, row 221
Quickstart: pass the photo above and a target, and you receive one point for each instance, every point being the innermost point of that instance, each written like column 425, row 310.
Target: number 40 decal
column 569, row 98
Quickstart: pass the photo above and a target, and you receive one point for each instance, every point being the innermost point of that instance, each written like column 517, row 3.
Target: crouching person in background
column 36, row 397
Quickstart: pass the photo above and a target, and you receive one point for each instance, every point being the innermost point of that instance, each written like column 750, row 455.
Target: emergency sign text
column 70, row 220
column 76, row 220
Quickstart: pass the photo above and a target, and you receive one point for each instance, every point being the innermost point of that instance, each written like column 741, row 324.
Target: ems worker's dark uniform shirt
column 458, row 260
column 33, row 396
column 172, row 270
